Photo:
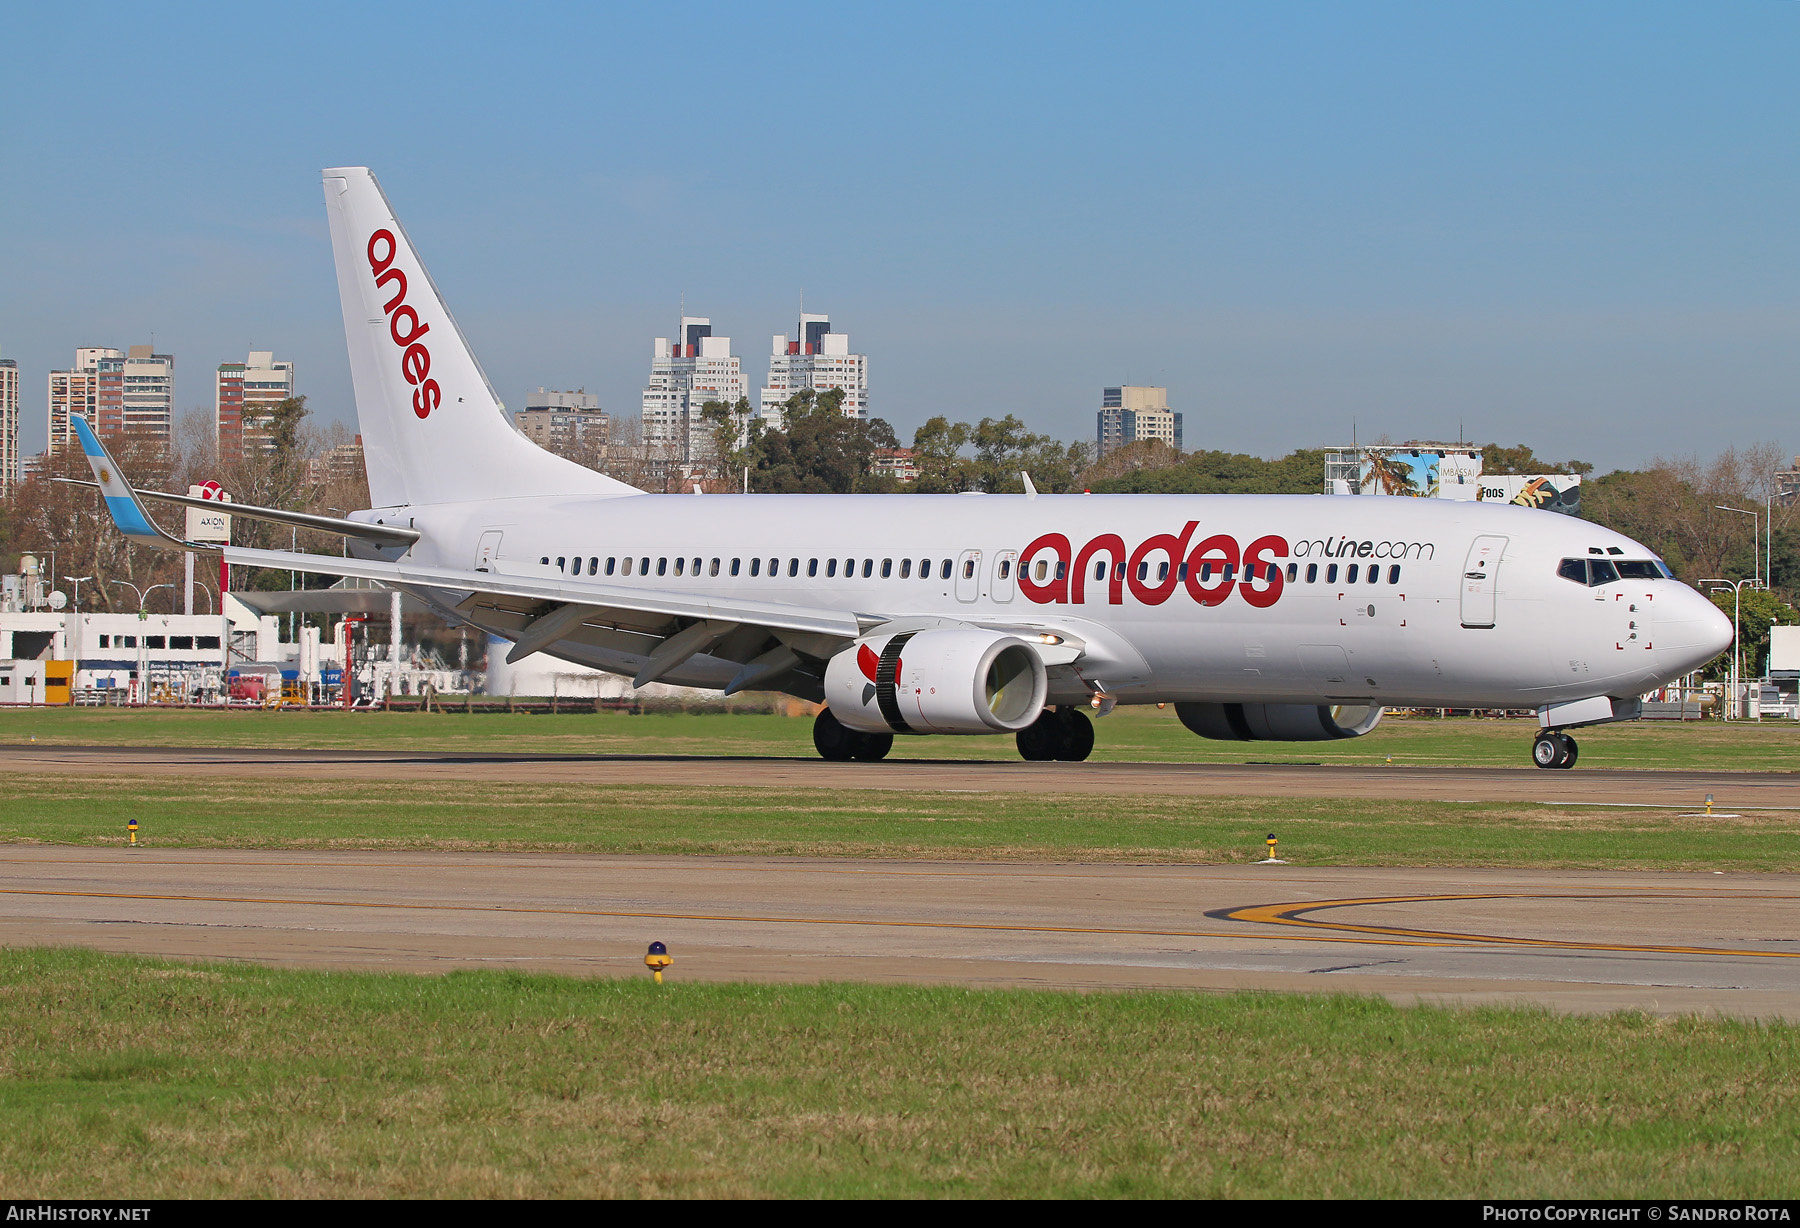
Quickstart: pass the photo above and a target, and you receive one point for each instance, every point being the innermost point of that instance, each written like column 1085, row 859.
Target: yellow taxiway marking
column 1295, row 913
column 1270, row 913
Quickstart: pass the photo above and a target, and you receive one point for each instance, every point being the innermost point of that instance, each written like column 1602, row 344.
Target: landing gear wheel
column 1058, row 733
column 1078, row 736
column 1545, row 750
column 872, row 747
column 1038, row 741
column 1554, row 749
column 831, row 739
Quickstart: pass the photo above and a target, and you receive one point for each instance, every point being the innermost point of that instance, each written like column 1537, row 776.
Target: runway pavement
column 1682, row 789
column 1568, row 940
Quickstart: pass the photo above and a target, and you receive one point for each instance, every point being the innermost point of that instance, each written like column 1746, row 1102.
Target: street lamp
column 1737, row 647
column 135, row 591
column 1755, row 554
column 154, row 587
column 77, row 581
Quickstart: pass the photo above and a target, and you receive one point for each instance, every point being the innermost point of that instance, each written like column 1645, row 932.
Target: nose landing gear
column 1554, row 749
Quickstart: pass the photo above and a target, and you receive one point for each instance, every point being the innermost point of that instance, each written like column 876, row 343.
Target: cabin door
column 488, row 550
column 1480, row 581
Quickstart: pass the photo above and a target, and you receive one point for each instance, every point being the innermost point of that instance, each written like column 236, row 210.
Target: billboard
column 1385, row 472
column 1550, row 492
column 206, row 524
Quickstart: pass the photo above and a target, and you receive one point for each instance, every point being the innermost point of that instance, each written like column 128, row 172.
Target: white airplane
column 1280, row 618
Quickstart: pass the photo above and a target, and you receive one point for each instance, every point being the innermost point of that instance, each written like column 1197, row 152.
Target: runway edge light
column 1271, row 859
column 657, row 960
column 131, row 830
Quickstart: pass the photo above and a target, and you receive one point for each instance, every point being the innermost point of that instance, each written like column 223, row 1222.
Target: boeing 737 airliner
column 1285, row 618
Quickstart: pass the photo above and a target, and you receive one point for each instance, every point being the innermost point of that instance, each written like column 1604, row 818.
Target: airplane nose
column 1695, row 628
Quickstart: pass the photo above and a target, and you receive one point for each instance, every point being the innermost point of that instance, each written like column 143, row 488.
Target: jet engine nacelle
column 1279, row 722
column 952, row 680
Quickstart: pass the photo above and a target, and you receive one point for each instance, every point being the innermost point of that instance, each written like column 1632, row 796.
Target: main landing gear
column 1060, row 733
column 839, row 743
column 1554, row 749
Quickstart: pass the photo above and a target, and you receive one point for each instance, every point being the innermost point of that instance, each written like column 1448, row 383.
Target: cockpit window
column 1595, row 572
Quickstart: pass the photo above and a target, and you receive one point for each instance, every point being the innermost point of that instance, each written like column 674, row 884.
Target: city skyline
column 1392, row 218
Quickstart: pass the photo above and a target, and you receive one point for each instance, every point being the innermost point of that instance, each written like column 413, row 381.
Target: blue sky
column 1568, row 225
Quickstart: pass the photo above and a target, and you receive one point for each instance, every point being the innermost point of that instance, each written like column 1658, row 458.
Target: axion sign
column 1052, row 571
column 415, row 359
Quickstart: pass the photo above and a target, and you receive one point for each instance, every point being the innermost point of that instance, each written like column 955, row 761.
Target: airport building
column 1130, row 413
column 1423, row 469
column 564, row 421
column 9, row 425
column 245, row 395
column 684, row 375
column 815, row 358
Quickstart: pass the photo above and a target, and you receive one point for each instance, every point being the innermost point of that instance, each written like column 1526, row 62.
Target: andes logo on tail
column 404, row 325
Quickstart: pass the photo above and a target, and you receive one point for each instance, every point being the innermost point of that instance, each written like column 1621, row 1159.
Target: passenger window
column 735, row 563
column 1350, row 573
column 1143, row 572
column 628, row 565
column 594, row 566
column 849, row 569
column 1062, row 570
column 924, row 569
column 968, row 569
column 1100, row 570
column 1205, row 572
column 1394, row 574
column 868, row 568
column 756, row 567
column 774, row 567
column 611, row 564
column 812, row 567
column 830, row 568
column 1293, row 572
column 1601, row 571
column 793, row 567
column 1162, row 571
column 906, row 569
column 561, row 559
column 1331, row 573
column 1118, row 571
column 1312, row 573
column 1043, row 570
column 662, row 567
column 714, row 569
column 1374, row 572
column 944, row 572
column 887, row 569
column 1181, row 573
column 1229, row 569
column 680, row 566
column 644, row 566
column 545, row 560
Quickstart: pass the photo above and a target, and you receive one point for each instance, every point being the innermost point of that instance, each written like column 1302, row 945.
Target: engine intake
column 953, row 680
column 1279, row 722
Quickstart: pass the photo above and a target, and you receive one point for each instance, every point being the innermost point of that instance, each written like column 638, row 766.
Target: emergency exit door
column 488, row 550
column 1480, row 581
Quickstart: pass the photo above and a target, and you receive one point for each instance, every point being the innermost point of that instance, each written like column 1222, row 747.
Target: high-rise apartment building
column 698, row 367
column 9, row 425
column 1130, row 413
column 79, row 391
column 815, row 358
column 245, row 394
column 561, row 421
column 149, row 392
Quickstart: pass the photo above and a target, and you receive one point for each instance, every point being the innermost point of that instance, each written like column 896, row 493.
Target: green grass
column 1127, row 734
column 223, row 812
column 134, row 1078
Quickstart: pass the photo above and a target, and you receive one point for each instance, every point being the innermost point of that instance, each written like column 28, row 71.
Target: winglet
column 122, row 501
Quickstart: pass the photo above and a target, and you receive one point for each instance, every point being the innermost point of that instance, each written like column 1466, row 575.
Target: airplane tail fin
column 431, row 425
